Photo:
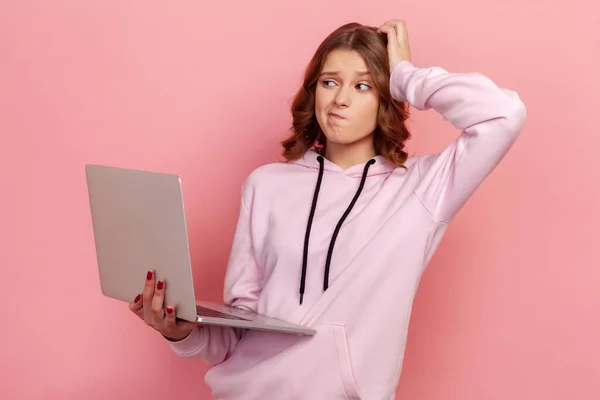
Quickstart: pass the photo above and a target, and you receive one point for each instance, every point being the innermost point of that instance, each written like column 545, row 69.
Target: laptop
column 139, row 224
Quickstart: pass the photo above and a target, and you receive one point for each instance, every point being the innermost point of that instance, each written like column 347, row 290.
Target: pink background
column 510, row 306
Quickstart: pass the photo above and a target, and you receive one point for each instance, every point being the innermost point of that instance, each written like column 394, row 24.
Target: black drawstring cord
column 308, row 227
column 337, row 228
column 341, row 221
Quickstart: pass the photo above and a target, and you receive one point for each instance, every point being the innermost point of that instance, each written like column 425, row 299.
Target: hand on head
column 397, row 43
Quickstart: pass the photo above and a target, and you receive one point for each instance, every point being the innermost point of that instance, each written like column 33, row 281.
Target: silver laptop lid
column 139, row 225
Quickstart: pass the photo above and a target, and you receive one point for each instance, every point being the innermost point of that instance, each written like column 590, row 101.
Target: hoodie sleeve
column 489, row 118
column 215, row 344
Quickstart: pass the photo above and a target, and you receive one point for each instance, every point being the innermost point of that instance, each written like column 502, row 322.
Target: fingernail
column 169, row 310
column 149, row 275
column 137, row 298
column 159, row 285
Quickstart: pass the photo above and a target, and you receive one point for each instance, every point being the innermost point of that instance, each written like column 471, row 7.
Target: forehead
column 346, row 61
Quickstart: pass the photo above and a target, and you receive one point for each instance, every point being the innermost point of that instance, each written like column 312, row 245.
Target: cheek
column 369, row 112
column 321, row 100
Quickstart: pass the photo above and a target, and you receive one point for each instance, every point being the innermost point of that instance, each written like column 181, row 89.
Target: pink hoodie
column 376, row 259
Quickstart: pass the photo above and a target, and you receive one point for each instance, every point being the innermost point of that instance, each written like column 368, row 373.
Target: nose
column 342, row 98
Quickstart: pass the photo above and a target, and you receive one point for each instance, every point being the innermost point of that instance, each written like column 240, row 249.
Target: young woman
column 337, row 237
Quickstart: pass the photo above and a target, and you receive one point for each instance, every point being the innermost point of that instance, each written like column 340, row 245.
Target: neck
column 349, row 155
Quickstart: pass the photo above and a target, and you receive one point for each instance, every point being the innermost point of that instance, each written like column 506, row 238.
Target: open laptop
column 139, row 225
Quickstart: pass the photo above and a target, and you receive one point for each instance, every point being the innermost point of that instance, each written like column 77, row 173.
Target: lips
column 336, row 115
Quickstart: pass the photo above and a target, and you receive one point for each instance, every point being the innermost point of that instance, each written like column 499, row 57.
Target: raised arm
column 489, row 117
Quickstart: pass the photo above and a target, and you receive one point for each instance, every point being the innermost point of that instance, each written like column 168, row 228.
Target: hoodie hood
column 379, row 165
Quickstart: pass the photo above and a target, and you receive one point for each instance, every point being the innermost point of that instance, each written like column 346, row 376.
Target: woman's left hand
column 398, row 46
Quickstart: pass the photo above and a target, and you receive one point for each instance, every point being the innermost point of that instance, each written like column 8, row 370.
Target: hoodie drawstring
column 309, row 225
column 337, row 228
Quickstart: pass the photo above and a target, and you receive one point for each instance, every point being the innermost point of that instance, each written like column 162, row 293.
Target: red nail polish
column 169, row 310
column 137, row 298
column 160, row 285
column 149, row 275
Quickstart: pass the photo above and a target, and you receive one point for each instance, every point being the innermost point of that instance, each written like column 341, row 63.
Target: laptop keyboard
column 207, row 312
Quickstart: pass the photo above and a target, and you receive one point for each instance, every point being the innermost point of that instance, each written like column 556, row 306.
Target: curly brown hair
column 391, row 132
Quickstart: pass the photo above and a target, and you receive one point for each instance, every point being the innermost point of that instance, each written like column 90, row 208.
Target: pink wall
column 510, row 308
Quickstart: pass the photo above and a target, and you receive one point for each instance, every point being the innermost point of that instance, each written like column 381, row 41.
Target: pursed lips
column 336, row 115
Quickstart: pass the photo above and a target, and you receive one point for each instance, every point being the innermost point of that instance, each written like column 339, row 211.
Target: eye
column 363, row 86
column 328, row 83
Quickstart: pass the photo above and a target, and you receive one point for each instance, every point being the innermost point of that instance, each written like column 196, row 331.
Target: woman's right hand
column 149, row 306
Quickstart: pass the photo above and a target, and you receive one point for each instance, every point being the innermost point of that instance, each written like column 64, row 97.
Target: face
column 346, row 101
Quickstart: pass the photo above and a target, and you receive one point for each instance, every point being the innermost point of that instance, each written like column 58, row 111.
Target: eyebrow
column 333, row 73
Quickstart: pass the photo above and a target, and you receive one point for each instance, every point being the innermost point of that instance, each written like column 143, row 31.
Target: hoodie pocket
column 264, row 363
column 344, row 362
